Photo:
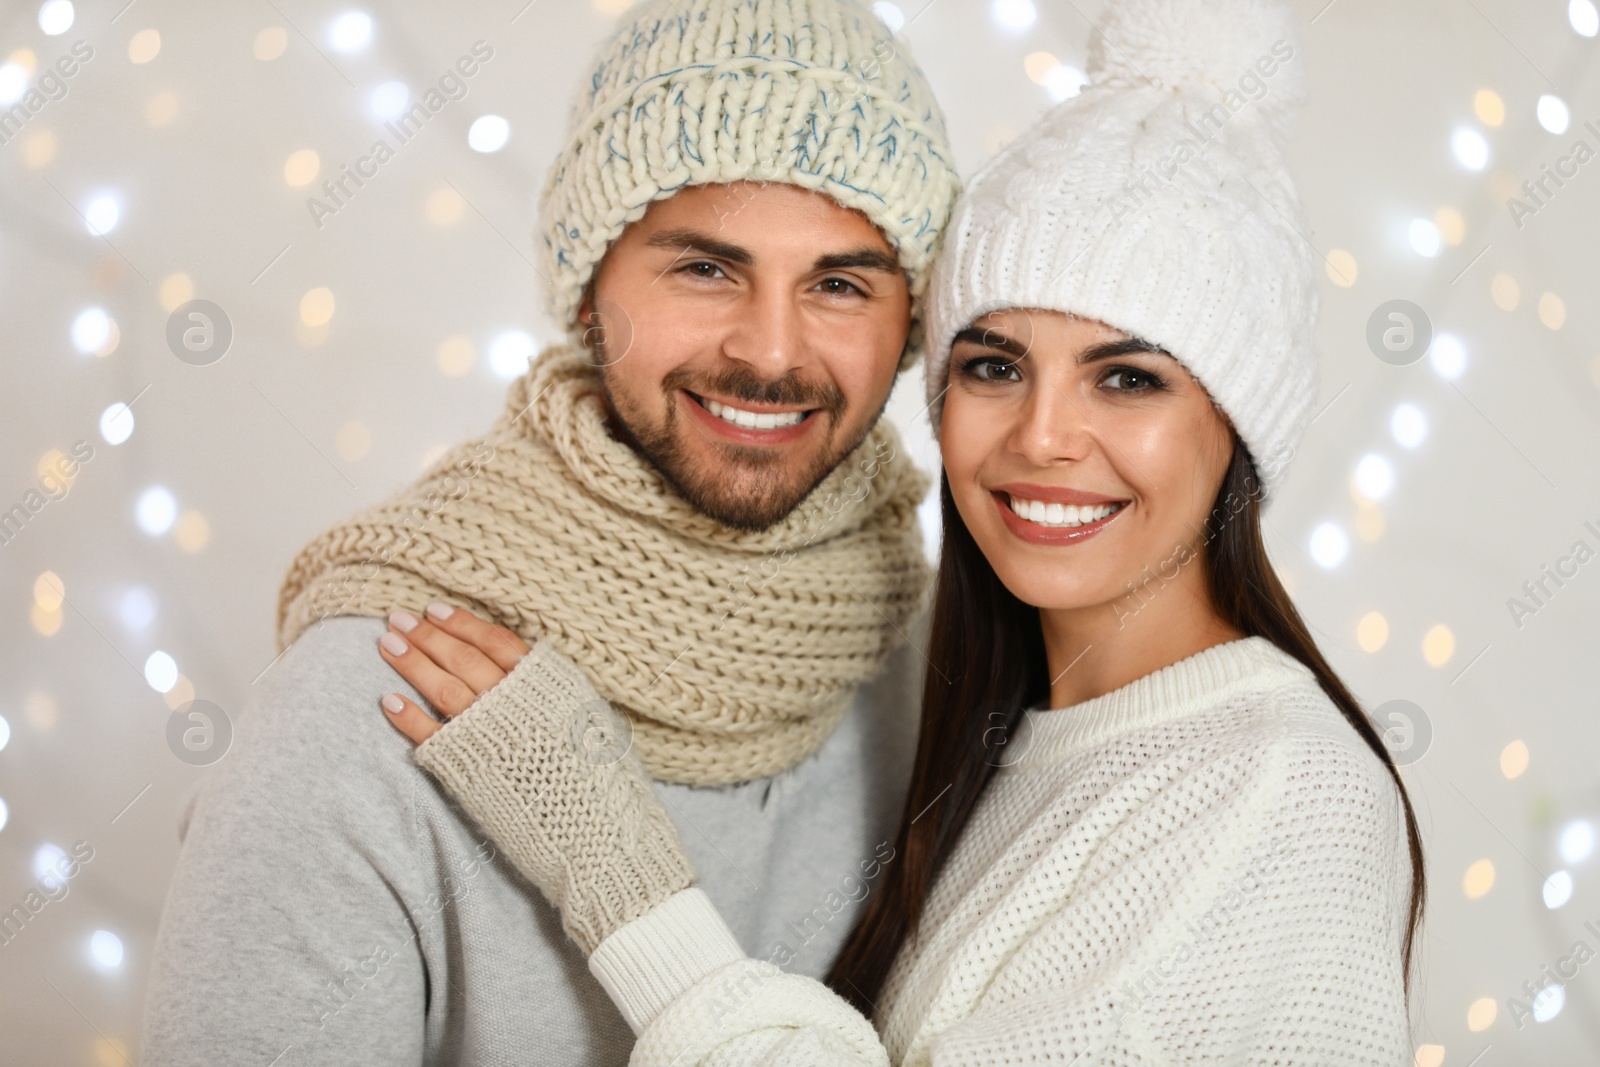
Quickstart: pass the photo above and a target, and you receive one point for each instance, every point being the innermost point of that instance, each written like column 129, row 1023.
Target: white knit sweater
column 1207, row 865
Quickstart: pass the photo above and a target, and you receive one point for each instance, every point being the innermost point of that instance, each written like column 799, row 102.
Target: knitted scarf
column 733, row 654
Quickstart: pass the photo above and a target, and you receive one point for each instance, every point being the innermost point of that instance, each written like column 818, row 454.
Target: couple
column 675, row 803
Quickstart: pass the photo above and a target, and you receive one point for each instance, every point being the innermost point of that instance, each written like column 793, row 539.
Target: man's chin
column 752, row 500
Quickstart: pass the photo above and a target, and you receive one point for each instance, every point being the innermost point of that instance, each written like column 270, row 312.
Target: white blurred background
column 176, row 163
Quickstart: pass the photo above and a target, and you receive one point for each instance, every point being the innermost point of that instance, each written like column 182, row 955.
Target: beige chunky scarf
column 734, row 654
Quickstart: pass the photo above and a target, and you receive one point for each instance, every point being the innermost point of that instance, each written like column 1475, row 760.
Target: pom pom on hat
column 1158, row 201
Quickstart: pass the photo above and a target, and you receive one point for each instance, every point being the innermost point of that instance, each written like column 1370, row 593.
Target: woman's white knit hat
column 814, row 93
column 1158, row 201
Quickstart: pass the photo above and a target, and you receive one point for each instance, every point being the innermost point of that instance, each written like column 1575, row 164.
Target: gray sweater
column 331, row 905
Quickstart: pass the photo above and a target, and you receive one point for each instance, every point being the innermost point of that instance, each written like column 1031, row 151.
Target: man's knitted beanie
column 813, row 93
column 1158, row 201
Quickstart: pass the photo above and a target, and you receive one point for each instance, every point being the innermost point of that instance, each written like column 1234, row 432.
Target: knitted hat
column 814, row 93
column 1158, row 201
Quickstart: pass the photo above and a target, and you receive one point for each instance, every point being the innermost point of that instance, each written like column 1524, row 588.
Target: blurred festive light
column 1447, row 355
column 316, row 307
column 1557, row 889
column 5, row 733
column 1065, row 82
column 1470, row 148
column 156, row 510
column 1584, row 17
column 116, row 423
column 1438, row 645
column 101, row 215
column 350, row 32
column 1548, row 1002
column 1505, row 291
column 1424, row 237
column 301, row 167
column 1488, row 106
column 1372, row 632
column 47, row 861
column 1038, row 66
column 1014, row 15
column 488, row 133
column 137, row 608
column 55, row 17
column 1452, row 227
column 270, row 43
column 41, row 710
column 1370, row 522
column 1329, row 545
column 1552, row 311
column 106, row 949
column 1428, row 1056
column 509, row 353
column 1341, row 267
column 1576, row 843
column 1480, row 1016
column 5, row 814
column 176, row 289
column 444, row 206
column 192, row 531
column 161, row 671
column 1514, row 759
column 1408, row 425
column 13, row 83
column 144, row 46
column 39, row 149
column 49, row 591
column 890, row 15
column 1553, row 113
column 1478, row 880
column 1374, row 476
column 389, row 99
column 91, row 329
column 162, row 109
column 353, row 441
column 456, row 356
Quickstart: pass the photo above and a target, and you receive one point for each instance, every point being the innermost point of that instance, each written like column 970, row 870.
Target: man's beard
column 745, row 487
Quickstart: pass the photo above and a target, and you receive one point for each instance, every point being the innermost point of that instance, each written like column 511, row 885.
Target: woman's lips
column 1054, row 521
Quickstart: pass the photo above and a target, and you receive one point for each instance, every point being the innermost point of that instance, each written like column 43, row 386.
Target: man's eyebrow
column 864, row 258
column 683, row 240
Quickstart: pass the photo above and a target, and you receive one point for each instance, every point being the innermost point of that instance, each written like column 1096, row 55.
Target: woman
column 1191, row 846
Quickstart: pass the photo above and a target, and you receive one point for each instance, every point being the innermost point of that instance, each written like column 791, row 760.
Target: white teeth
column 751, row 420
column 1052, row 514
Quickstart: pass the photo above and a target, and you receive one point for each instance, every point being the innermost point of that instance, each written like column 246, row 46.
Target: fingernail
column 392, row 642
column 393, row 704
column 403, row 621
column 440, row 610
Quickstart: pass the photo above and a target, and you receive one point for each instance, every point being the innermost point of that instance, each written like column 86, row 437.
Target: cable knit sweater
column 1205, row 866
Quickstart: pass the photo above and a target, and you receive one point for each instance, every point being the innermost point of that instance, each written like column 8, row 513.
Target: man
column 711, row 524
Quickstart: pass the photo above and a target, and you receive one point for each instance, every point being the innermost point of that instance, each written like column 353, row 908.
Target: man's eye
column 838, row 287
column 703, row 269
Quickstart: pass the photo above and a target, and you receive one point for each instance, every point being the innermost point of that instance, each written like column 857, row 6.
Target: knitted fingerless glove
column 546, row 767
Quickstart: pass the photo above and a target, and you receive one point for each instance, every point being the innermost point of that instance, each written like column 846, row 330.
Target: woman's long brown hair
column 986, row 663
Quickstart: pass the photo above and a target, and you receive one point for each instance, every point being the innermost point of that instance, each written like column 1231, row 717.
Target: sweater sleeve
column 694, row 997
column 546, row 767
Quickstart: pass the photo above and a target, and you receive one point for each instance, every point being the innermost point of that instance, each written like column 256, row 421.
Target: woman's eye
column 993, row 370
column 1131, row 380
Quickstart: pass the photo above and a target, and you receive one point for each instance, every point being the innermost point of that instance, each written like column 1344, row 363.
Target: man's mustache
column 788, row 391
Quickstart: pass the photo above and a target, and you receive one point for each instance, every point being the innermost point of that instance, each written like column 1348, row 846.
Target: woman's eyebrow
column 1127, row 346
column 991, row 339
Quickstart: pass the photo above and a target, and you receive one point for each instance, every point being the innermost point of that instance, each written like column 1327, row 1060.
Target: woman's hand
column 451, row 656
